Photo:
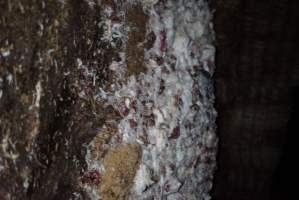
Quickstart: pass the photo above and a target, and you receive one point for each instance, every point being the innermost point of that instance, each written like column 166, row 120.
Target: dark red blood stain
column 123, row 110
column 175, row 133
column 133, row 123
column 92, row 177
column 134, row 105
column 163, row 41
column 119, row 139
column 115, row 18
column 82, row 74
column 111, row 126
column 88, row 87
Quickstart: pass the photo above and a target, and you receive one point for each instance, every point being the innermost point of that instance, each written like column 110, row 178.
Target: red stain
column 133, row 123
column 82, row 74
column 134, row 105
column 123, row 110
column 175, row 133
column 119, row 139
column 115, row 18
column 92, row 177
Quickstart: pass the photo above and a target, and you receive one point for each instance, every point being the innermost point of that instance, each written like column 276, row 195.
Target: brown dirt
column 121, row 166
column 136, row 20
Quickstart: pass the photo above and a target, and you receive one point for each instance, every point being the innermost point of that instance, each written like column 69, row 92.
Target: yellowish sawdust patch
column 121, row 166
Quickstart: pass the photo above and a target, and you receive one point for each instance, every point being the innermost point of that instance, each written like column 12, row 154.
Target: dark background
column 257, row 95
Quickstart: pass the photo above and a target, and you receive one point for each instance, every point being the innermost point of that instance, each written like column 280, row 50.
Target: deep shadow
column 257, row 64
column 284, row 180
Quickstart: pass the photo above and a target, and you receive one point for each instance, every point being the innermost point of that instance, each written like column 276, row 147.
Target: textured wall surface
column 257, row 66
column 106, row 99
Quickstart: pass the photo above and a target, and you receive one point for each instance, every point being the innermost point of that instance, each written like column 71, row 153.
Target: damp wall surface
column 107, row 99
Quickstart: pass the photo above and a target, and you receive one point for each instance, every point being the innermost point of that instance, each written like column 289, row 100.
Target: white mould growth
column 148, row 3
column 9, row 78
column 169, row 108
column 38, row 88
column 1, row 86
column 2, row 165
column 5, row 53
column 142, row 180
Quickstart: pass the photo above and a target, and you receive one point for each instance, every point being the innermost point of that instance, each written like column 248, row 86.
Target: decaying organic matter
column 107, row 100
column 120, row 166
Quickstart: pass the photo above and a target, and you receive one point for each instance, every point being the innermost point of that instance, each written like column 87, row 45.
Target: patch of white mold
column 169, row 108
